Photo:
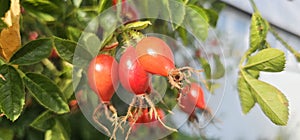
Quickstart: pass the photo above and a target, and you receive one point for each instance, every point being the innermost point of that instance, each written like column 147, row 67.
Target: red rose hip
column 103, row 76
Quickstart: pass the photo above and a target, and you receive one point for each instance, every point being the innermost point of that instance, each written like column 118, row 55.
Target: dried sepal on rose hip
column 103, row 79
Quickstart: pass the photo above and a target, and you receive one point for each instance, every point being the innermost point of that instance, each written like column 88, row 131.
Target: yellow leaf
column 10, row 38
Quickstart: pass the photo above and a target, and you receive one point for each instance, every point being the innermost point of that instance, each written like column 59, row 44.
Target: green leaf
column 258, row 31
column 92, row 43
column 41, row 16
column 32, row 52
column 12, row 95
column 245, row 94
column 4, row 7
column 46, row 93
column 150, row 8
column 138, row 25
column 2, row 24
column 68, row 90
column 108, row 27
column 176, row 12
column 272, row 101
column 220, row 69
column 213, row 17
column 159, row 84
column 44, row 122
column 65, row 48
column 183, row 35
column 270, row 60
column 73, row 33
column 42, row 10
column 206, row 67
column 6, row 134
column 196, row 22
column 77, row 3
column 58, row 131
column 254, row 73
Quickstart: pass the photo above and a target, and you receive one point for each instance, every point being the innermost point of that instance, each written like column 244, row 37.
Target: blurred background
column 233, row 28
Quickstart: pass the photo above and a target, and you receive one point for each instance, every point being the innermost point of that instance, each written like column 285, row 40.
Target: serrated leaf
column 270, row 60
column 32, row 52
column 138, row 25
column 206, row 67
column 196, row 22
column 12, row 95
column 65, row 48
column 46, row 93
column 176, row 12
column 258, row 31
column 271, row 100
column 58, row 131
column 245, row 94
column 44, row 121
column 220, row 69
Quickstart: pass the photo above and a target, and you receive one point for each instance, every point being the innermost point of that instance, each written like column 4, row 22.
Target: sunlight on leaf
column 270, row 60
column 258, row 31
column 246, row 98
column 271, row 100
column 176, row 12
column 196, row 22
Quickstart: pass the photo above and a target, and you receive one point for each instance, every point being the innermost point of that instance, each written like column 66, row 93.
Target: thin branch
column 285, row 44
column 254, row 6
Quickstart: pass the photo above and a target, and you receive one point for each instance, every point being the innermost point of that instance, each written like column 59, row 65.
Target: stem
column 253, row 5
column 284, row 43
column 186, row 2
column 101, row 5
column 48, row 64
column 243, row 59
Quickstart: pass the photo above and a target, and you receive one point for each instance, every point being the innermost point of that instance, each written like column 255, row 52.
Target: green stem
column 186, row 2
column 49, row 65
column 284, row 43
column 254, row 6
column 243, row 59
column 101, row 5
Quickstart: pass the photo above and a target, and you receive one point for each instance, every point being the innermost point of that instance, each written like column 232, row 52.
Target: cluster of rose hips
column 150, row 56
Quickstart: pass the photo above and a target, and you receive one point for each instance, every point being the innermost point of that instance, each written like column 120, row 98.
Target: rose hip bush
column 39, row 97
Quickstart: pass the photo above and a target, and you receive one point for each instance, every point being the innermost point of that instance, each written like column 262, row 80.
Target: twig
column 285, row 44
